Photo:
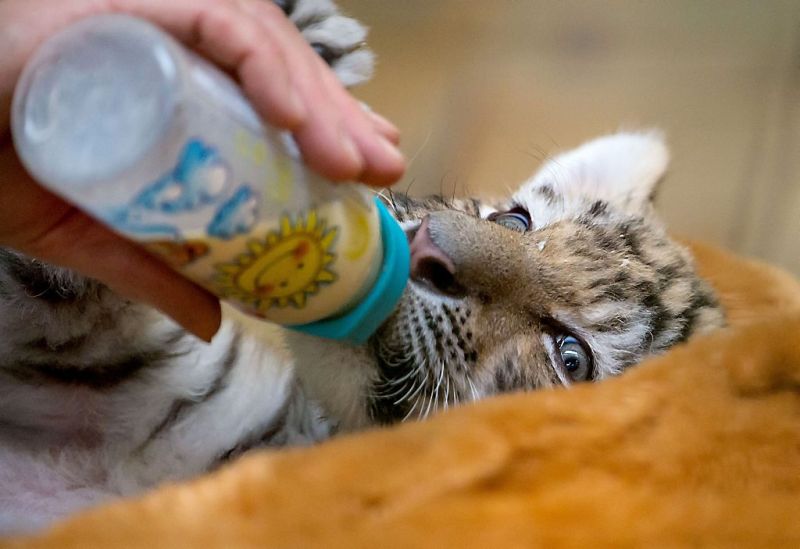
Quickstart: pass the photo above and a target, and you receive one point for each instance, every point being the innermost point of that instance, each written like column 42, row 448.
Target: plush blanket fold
column 699, row 446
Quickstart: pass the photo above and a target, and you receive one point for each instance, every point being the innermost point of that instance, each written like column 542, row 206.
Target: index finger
column 279, row 71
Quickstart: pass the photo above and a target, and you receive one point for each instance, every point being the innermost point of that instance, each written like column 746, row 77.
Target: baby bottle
column 121, row 120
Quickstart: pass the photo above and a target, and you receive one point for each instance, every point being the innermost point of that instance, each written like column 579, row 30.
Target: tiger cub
column 571, row 279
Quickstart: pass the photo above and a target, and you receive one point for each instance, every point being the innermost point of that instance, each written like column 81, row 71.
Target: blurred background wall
column 484, row 90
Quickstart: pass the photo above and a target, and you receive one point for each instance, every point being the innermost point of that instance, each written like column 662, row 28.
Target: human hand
column 287, row 83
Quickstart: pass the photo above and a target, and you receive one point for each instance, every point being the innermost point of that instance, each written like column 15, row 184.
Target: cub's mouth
column 425, row 352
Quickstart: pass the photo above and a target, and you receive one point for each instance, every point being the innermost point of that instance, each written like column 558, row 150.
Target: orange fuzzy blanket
column 698, row 447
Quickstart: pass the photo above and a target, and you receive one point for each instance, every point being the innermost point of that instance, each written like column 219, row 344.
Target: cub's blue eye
column 516, row 219
column 575, row 359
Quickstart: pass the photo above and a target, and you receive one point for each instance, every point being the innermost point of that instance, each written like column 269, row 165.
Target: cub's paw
column 338, row 39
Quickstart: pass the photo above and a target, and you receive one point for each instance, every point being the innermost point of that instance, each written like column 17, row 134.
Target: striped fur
column 596, row 264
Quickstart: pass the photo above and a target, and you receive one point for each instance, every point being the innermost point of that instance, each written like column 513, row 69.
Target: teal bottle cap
column 360, row 322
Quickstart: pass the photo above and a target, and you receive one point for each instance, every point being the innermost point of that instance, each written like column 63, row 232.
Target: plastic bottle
column 121, row 120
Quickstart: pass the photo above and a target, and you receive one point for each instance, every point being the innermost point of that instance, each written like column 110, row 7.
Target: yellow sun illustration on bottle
column 285, row 268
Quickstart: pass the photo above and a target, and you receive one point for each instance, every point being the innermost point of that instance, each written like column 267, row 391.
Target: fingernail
column 350, row 150
column 391, row 151
column 389, row 130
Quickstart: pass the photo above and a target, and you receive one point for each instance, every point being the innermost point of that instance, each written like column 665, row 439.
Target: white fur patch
column 622, row 169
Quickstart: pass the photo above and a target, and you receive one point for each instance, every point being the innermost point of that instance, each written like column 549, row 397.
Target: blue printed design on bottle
column 236, row 216
column 199, row 178
column 130, row 222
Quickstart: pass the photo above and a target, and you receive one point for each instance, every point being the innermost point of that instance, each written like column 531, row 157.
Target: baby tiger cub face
column 573, row 279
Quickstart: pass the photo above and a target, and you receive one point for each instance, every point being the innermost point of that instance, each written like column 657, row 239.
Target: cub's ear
column 618, row 172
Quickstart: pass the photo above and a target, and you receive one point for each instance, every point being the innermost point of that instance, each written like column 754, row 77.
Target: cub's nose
column 429, row 264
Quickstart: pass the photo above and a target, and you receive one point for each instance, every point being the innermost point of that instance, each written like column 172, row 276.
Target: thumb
column 79, row 242
column 38, row 223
